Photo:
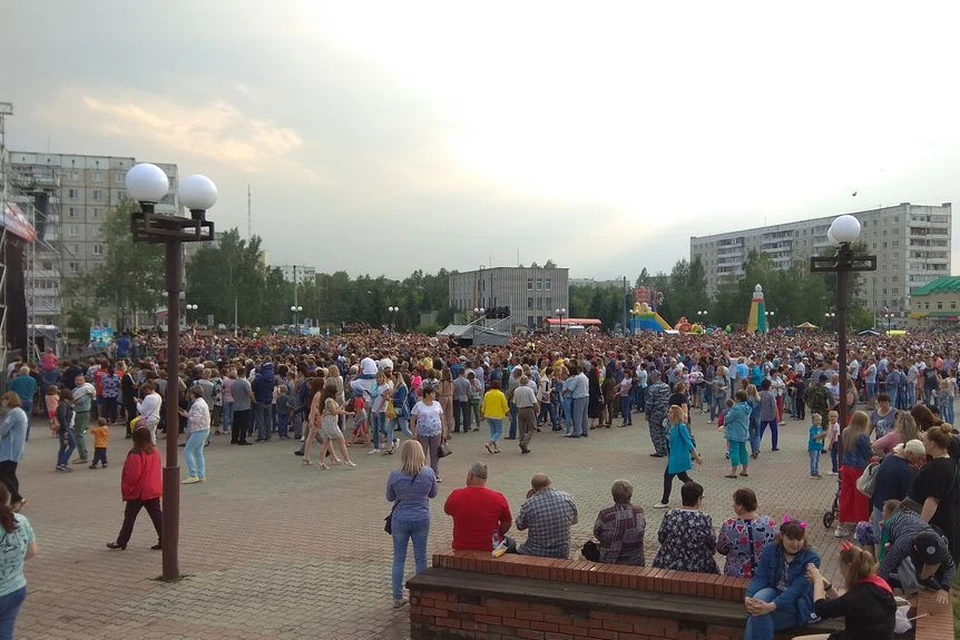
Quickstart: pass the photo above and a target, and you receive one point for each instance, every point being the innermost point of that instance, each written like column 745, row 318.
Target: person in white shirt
column 198, row 430
column 148, row 409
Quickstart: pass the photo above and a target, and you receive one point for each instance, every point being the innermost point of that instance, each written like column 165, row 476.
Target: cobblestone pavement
column 274, row 549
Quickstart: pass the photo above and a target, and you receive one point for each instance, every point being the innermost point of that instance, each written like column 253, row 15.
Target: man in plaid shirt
column 547, row 515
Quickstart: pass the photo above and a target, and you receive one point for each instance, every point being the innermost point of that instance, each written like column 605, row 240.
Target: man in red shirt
column 477, row 512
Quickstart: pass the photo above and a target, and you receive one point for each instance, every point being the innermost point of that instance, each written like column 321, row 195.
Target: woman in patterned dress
column 687, row 540
column 742, row 539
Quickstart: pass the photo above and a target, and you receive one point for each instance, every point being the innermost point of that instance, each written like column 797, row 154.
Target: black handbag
column 591, row 551
column 444, row 450
column 388, row 521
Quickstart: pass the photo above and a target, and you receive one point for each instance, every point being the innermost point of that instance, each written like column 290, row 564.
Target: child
column 361, row 433
column 283, row 411
column 815, row 444
column 833, row 435
column 52, row 399
column 101, row 438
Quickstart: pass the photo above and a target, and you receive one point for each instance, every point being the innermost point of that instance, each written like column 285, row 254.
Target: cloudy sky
column 380, row 137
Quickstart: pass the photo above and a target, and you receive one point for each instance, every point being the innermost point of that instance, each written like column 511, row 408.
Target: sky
column 383, row 137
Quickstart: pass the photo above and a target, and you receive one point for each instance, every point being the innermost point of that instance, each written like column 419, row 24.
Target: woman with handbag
column 426, row 426
column 410, row 489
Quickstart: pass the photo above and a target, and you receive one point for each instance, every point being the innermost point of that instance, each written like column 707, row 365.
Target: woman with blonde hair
column 314, row 420
column 330, row 426
column 410, row 489
column 867, row 606
column 854, row 507
column 905, row 429
column 682, row 451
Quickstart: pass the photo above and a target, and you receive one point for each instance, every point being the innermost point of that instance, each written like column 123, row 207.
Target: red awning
column 586, row 322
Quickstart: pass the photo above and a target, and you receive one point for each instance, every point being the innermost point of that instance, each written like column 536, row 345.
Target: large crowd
column 383, row 392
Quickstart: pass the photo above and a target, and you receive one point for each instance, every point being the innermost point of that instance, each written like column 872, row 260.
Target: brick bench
column 473, row 595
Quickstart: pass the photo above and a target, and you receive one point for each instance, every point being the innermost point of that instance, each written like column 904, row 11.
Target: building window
column 529, row 303
column 98, row 176
column 530, row 321
column 549, row 303
column 97, row 212
column 549, row 286
column 97, row 231
column 953, row 305
column 74, row 175
column 72, row 194
column 73, row 212
column 530, row 284
column 118, row 178
column 74, row 230
column 122, row 195
column 539, row 304
column 46, row 265
column 539, row 284
column 74, row 267
column 98, row 249
column 98, row 195
column 940, row 305
column 896, row 244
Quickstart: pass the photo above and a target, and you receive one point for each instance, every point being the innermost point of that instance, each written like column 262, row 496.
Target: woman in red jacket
column 141, row 486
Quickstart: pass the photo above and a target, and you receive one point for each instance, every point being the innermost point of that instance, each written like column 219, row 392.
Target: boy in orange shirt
column 101, row 438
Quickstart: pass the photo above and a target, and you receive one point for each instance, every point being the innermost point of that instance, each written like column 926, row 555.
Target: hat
column 385, row 364
column 914, row 447
column 368, row 367
column 929, row 549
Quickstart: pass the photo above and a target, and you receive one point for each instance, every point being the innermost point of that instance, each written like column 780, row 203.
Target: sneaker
column 191, row 480
column 79, row 461
column 832, row 473
column 373, row 452
column 399, row 603
column 93, row 466
column 661, row 505
column 351, row 464
column 114, row 545
column 66, row 469
column 840, row 532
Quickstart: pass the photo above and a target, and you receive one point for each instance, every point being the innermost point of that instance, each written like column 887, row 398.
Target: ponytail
column 7, row 519
column 856, row 564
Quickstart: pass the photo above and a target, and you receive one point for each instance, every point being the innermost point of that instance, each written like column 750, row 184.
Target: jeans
column 719, row 404
column 568, row 415
column 263, row 416
column 834, row 457
column 461, row 416
column 625, row 409
column 911, row 395
column 814, row 462
column 80, row 422
column 227, row 415
column 945, row 404
column 403, row 422
column 548, row 412
column 774, row 433
column 928, row 396
column 754, row 431
column 193, row 452
column 579, row 409
column 403, row 532
column 496, row 429
column 9, row 608
column 763, row 627
column 99, row 456
column 67, row 444
column 513, row 422
column 378, row 425
column 283, row 424
column 871, row 390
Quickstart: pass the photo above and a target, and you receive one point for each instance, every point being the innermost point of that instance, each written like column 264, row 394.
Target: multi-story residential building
column 67, row 198
column 532, row 293
column 298, row 272
column 911, row 242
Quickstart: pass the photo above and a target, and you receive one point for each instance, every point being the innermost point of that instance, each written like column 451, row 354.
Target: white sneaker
column 373, row 452
column 831, row 473
column 840, row 532
column 661, row 505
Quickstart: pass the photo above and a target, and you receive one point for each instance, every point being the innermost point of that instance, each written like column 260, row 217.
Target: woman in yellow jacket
column 494, row 410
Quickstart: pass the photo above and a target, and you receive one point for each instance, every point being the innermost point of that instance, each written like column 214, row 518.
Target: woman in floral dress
column 742, row 539
column 687, row 540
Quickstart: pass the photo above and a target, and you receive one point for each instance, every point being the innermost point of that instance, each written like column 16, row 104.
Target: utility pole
column 249, row 216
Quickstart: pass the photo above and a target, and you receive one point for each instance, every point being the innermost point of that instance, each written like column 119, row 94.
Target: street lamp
column 392, row 311
column 560, row 312
column 189, row 308
column 148, row 184
column 296, row 309
column 842, row 233
column 889, row 316
column 702, row 314
column 479, row 313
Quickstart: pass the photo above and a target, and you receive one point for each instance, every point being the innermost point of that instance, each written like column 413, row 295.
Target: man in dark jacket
column 263, row 386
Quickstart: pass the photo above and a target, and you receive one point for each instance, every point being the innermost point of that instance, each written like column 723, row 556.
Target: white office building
column 911, row 242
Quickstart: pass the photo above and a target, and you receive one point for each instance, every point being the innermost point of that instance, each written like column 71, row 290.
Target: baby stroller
column 829, row 517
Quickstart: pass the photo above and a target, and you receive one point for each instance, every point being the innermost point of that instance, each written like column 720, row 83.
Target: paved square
column 275, row 549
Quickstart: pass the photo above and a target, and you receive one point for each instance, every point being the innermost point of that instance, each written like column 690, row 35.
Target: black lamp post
column 843, row 232
column 393, row 315
column 560, row 313
column 148, row 184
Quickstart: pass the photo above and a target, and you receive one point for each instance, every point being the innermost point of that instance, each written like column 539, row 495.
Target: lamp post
column 560, row 312
column 478, row 314
column 889, row 316
column 189, row 307
column 770, row 315
column 702, row 314
column 296, row 309
column 148, row 184
column 393, row 314
column 828, row 317
column 842, row 233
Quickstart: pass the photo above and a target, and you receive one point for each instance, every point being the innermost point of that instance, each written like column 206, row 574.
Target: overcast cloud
column 382, row 137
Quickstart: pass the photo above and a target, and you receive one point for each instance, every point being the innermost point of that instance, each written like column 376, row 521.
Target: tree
column 131, row 279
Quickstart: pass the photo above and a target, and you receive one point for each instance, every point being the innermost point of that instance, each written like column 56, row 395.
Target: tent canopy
column 806, row 325
column 472, row 334
column 585, row 322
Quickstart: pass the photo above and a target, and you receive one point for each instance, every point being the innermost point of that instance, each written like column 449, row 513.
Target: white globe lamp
column 846, row 229
column 197, row 192
column 146, row 182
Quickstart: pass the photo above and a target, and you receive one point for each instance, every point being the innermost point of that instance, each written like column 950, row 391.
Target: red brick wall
column 437, row 615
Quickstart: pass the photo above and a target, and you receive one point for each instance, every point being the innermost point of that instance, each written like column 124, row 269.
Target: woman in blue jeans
column 779, row 596
column 17, row 544
column 410, row 488
column 198, row 430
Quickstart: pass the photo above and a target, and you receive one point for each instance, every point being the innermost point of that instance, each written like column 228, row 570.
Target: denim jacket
column 799, row 593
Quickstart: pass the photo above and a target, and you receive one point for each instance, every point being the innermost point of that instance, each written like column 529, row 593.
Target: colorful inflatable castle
column 643, row 319
column 757, row 320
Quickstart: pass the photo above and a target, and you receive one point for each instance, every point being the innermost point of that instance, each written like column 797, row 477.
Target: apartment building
column 912, row 244
column 67, row 198
column 532, row 293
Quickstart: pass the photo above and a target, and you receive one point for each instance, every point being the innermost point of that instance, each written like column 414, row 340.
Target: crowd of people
column 375, row 389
